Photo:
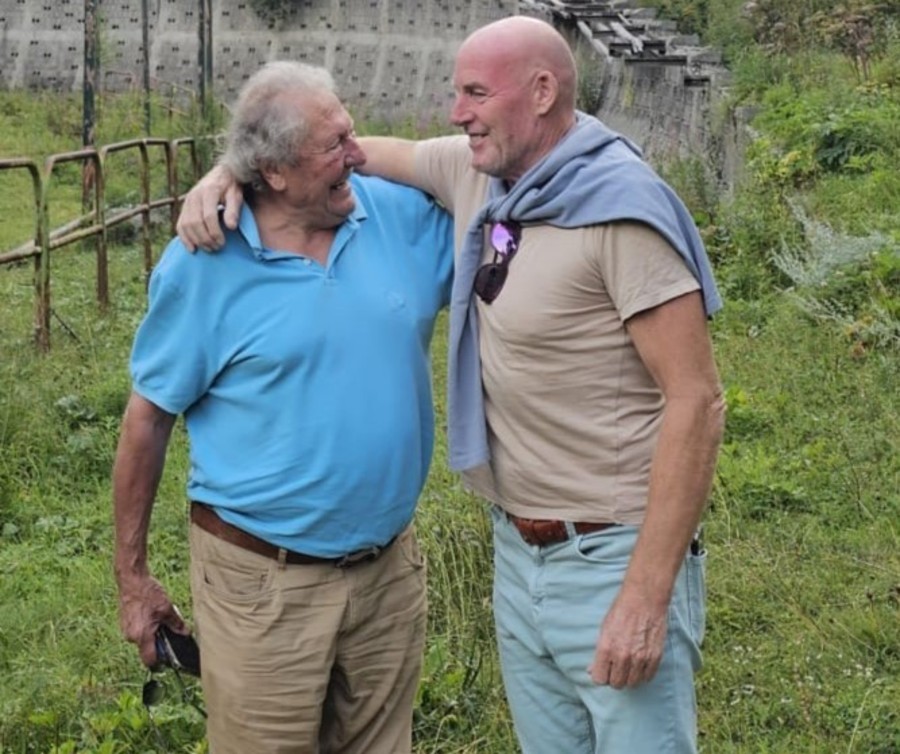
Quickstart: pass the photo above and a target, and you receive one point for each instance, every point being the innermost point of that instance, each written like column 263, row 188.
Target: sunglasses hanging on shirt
column 490, row 277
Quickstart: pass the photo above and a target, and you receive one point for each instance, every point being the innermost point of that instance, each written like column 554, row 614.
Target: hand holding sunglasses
column 177, row 651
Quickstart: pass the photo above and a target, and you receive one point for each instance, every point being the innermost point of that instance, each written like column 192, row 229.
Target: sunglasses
column 490, row 277
column 154, row 691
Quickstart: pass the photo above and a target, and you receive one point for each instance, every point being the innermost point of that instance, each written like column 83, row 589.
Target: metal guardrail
column 96, row 222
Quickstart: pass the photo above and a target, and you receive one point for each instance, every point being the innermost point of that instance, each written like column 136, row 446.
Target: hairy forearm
column 680, row 480
column 140, row 459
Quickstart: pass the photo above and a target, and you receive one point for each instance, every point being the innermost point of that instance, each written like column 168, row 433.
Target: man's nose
column 354, row 156
column 459, row 113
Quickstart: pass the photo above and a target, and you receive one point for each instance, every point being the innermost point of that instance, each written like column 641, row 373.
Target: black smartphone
column 178, row 651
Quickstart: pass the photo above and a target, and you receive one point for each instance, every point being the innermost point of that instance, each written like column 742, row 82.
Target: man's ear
column 546, row 92
column 273, row 176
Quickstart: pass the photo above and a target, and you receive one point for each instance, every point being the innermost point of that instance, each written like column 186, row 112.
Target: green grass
column 803, row 649
column 803, row 643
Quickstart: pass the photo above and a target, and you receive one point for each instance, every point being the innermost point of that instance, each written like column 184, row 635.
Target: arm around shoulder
column 199, row 222
column 391, row 158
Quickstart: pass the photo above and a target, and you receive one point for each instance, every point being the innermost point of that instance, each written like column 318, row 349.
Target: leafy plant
column 858, row 29
column 849, row 281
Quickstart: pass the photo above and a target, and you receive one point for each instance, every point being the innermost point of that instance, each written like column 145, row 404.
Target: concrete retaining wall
column 668, row 97
column 391, row 58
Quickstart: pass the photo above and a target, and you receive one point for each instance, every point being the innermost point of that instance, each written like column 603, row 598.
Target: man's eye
column 479, row 96
column 342, row 142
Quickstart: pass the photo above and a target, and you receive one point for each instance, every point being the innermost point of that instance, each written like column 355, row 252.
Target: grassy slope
column 802, row 647
column 804, row 639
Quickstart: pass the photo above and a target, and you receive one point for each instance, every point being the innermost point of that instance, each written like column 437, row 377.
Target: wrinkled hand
column 631, row 642
column 198, row 224
column 143, row 606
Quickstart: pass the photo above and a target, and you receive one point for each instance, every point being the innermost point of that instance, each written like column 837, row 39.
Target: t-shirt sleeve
column 640, row 269
column 439, row 166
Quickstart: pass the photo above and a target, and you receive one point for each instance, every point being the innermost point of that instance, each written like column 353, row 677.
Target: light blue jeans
column 549, row 603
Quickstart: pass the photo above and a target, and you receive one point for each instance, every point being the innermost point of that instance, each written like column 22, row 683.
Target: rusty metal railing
column 97, row 221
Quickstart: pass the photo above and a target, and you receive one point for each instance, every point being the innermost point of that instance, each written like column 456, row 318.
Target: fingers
column 623, row 672
column 628, row 654
column 186, row 225
column 234, row 198
column 199, row 225
column 147, row 650
column 175, row 621
column 140, row 629
column 209, row 232
column 143, row 606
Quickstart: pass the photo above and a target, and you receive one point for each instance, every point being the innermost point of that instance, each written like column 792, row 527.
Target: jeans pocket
column 612, row 547
column 696, row 586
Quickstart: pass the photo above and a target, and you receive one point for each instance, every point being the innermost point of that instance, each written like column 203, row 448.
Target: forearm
column 391, row 158
column 680, row 480
column 139, row 463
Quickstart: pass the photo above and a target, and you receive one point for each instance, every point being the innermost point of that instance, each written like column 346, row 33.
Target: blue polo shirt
column 306, row 390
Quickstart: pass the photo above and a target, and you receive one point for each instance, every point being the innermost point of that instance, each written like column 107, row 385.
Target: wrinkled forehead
column 327, row 116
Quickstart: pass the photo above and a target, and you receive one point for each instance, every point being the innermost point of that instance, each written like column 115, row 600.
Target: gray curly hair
column 267, row 128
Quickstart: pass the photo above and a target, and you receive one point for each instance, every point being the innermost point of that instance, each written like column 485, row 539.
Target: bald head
column 530, row 45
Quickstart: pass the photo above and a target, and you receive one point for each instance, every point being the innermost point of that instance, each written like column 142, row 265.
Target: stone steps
column 618, row 29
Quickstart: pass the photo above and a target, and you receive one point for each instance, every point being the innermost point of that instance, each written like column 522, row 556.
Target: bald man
column 584, row 401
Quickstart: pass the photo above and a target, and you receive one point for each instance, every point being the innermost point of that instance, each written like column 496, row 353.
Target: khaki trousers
column 308, row 659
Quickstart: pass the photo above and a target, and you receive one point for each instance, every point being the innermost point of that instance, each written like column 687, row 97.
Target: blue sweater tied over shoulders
column 592, row 176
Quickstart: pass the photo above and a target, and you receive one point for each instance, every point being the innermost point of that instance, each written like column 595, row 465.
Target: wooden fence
column 97, row 221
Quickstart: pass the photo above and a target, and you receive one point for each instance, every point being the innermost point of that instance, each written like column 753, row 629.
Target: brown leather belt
column 542, row 532
column 205, row 517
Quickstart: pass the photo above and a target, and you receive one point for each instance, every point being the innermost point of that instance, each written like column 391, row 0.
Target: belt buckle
column 360, row 556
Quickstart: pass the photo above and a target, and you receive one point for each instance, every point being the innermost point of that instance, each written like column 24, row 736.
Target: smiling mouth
column 476, row 140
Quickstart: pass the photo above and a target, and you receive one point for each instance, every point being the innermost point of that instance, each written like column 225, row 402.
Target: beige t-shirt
column 573, row 415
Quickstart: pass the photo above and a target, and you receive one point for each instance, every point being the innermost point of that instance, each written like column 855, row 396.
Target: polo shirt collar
column 248, row 228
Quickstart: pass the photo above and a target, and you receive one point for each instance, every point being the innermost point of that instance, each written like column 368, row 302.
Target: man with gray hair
column 299, row 358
